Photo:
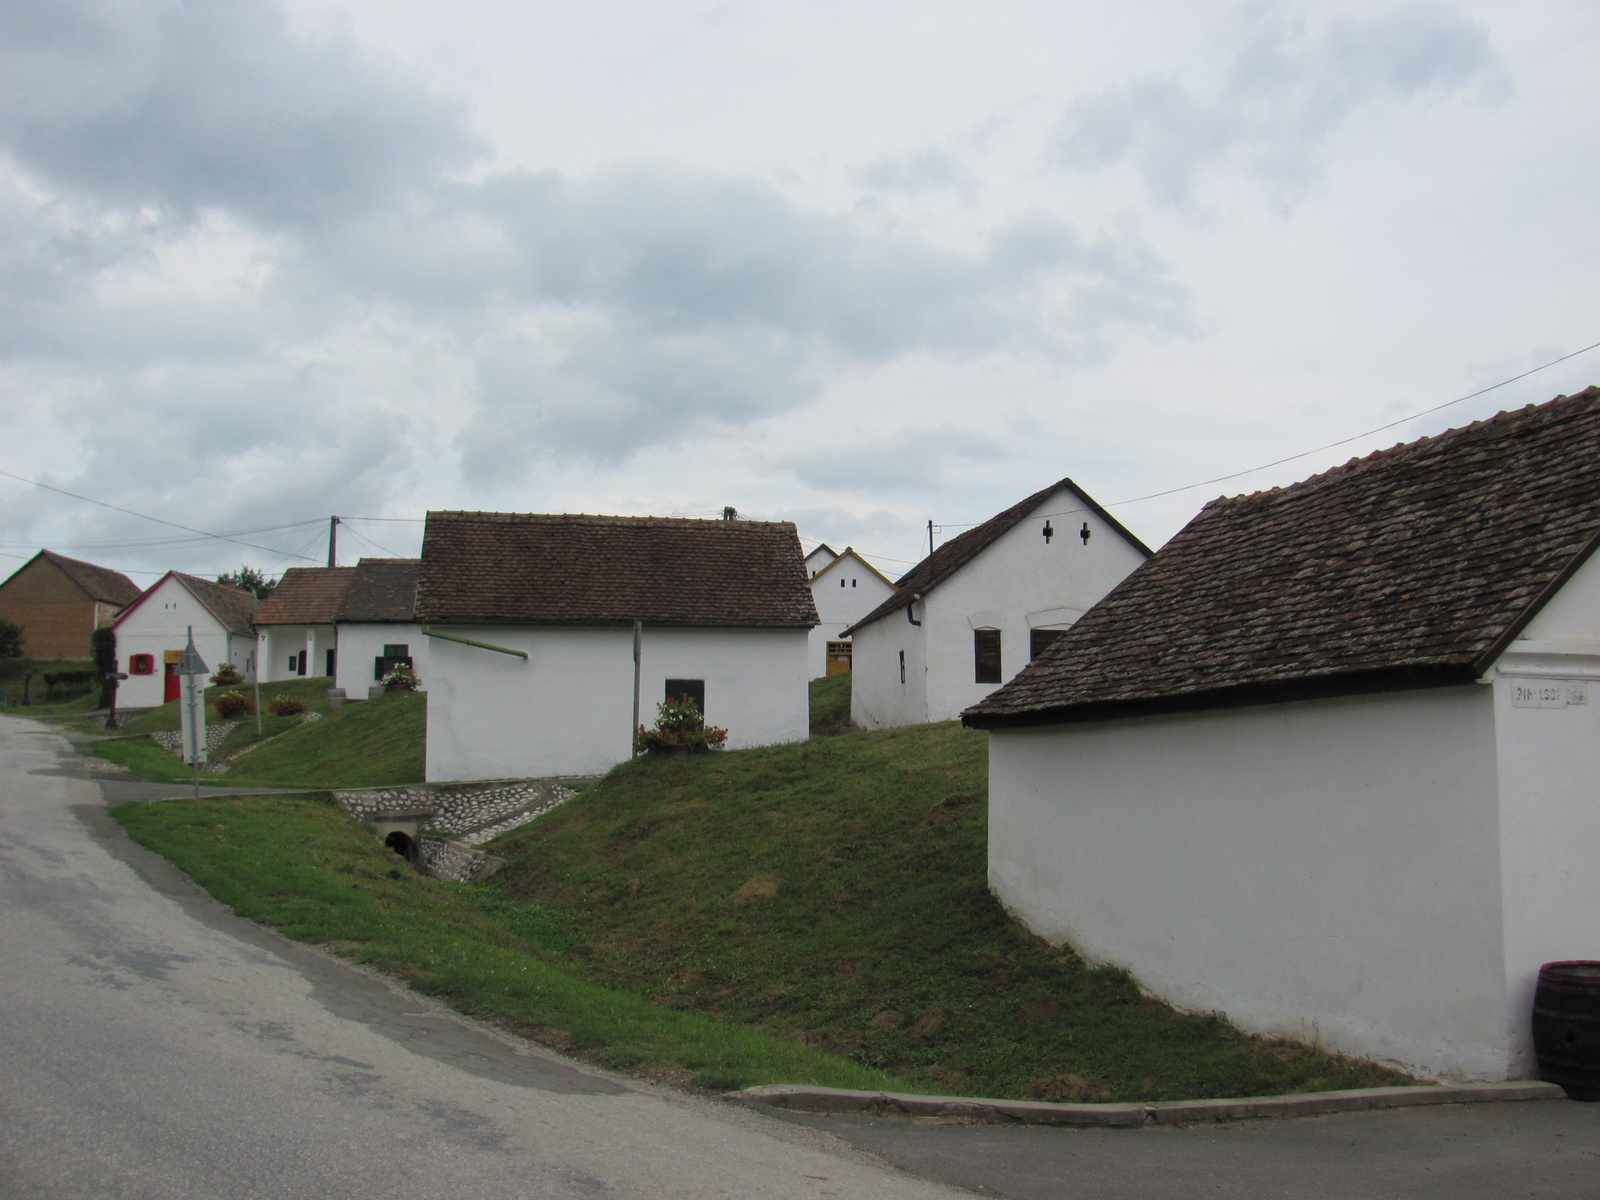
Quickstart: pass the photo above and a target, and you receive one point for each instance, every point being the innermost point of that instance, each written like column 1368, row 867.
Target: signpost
column 192, row 714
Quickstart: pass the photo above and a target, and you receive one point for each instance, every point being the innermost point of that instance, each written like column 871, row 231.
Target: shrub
column 227, row 675
column 10, row 639
column 400, row 678
column 680, row 729
column 233, row 704
column 286, row 706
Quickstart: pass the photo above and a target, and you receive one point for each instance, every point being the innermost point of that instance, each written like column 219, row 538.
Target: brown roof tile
column 383, row 590
column 98, row 583
column 959, row 551
column 306, row 596
column 234, row 607
column 1413, row 566
column 532, row 569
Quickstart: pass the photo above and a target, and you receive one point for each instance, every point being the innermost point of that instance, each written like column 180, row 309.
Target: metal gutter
column 450, row 637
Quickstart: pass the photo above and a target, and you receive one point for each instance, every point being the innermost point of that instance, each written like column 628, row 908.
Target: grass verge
column 297, row 864
column 374, row 743
column 835, row 893
column 830, row 706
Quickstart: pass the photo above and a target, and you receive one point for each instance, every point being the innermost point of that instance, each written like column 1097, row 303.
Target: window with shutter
column 986, row 655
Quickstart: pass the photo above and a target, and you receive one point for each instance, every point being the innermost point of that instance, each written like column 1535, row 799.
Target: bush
column 10, row 639
column 680, row 729
column 400, row 678
column 230, row 705
column 286, row 706
column 227, row 676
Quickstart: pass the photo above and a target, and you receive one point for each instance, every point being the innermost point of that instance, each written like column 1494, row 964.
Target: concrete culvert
column 402, row 844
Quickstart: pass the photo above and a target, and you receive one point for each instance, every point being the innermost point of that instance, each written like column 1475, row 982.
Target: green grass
column 299, row 865
column 12, row 670
column 834, row 893
column 370, row 744
column 313, row 692
column 830, row 705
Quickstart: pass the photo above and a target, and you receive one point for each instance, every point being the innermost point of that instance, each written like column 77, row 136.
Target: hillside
column 834, row 893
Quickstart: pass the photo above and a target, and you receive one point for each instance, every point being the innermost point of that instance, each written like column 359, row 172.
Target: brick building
column 60, row 601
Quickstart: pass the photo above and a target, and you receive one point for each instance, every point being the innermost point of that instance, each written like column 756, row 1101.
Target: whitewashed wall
column 1548, row 742
column 1328, row 870
column 361, row 643
column 844, row 592
column 1016, row 584
column 161, row 624
column 277, row 642
column 568, row 710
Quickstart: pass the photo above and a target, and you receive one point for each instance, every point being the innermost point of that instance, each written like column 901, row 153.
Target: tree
column 103, row 645
column 10, row 639
column 248, row 579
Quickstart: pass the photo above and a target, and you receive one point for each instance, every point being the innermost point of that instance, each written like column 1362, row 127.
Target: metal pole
column 638, row 637
column 333, row 541
column 930, row 536
column 255, row 674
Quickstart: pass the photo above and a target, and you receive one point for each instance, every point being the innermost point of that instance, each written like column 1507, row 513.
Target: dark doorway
column 688, row 689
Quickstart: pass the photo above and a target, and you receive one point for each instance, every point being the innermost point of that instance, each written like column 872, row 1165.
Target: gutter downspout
column 450, row 637
column 638, row 638
column 915, row 596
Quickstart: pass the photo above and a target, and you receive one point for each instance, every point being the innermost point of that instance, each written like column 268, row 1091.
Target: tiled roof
column 532, row 569
column 306, row 596
column 234, row 607
column 1411, row 567
column 959, row 551
column 383, row 590
column 98, row 583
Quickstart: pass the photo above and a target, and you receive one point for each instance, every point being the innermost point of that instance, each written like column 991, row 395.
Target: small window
column 986, row 655
column 852, row 583
column 841, row 583
column 1039, row 640
column 688, row 689
column 902, row 668
column 142, row 664
column 294, row 662
column 396, row 650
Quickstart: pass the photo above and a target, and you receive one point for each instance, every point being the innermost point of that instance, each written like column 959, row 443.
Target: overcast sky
column 857, row 265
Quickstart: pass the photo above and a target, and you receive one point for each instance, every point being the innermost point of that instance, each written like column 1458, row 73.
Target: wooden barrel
column 1566, row 1027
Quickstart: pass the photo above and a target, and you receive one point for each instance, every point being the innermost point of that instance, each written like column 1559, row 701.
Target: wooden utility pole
column 930, row 535
column 333, row 541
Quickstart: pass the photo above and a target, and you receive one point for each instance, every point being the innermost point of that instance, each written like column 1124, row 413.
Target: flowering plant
column 286, row 706
column 681, row 729
column 233, row 704
column 227, row 675
column 401, row 678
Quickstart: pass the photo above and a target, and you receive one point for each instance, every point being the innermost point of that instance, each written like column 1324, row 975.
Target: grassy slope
column 368, row 744
column 301, row 866
column 834, row 892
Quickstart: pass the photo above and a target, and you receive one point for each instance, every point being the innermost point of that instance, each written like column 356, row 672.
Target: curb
column 1172, row 1112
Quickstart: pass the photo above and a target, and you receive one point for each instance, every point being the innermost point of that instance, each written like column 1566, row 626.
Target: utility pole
column 333, row 541
column 930, row 535
column 638, row 637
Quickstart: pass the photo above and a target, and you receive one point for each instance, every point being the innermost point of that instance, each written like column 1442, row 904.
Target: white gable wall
column 844, row 592
column 1016, row 584
column 159, row 625
column 1327, row 870
column 1548, row 748
column 361, row 644
column 568, row 710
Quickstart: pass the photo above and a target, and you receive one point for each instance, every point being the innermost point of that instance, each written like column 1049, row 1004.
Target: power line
column 146, row 517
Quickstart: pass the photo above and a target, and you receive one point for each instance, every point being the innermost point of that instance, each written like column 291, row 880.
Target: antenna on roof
column 730, row 513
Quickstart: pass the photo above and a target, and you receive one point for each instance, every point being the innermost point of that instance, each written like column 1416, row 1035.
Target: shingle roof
column 383, row 590
column 531, row 569
column 306, row 596
column 234, row 607
column 959, row 551
column 1414, row 566
column 98, row 583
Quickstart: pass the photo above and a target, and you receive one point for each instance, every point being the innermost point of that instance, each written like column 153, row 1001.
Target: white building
column 976, row 610
column 376, row 625
column 295, row 624
column 153, row 631
column 1328, row 764
column 820, row 558
column 845, row 588
column 531, row 618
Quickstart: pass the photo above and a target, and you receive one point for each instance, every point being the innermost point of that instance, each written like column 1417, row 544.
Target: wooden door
column 840, row 656
column 169, row 683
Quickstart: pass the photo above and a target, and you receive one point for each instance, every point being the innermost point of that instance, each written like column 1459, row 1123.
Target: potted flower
column 681, row 729
column 400, row 678
column 227, row 676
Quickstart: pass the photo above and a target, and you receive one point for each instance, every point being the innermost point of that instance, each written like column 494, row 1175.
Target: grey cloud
column 215, row 103
column 930, row 168
column 911, row 460
column 1285, row 93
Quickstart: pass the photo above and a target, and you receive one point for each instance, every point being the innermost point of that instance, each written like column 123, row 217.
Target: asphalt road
column 153, row 1045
